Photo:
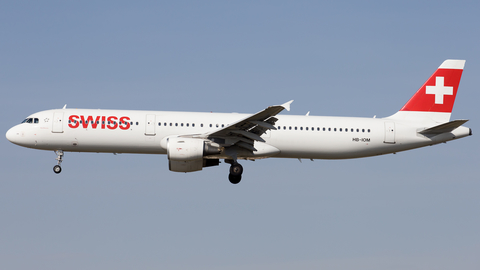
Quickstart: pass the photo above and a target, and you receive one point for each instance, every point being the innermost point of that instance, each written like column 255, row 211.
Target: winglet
column 64, row 107
column 286, row 105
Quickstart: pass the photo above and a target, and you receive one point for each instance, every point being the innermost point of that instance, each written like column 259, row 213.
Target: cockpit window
column 30, row 121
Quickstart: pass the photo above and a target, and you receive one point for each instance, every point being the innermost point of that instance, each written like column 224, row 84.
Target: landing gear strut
column 57, row 169
column 236, row 171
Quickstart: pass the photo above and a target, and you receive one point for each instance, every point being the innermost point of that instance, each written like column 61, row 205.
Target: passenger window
column 368, row 130
column 201, row 125
column 295, row 128
column 358, row 130
column 210, row 125
column 137, row 123
column 329, row 129
column 301, row 128
column 193, row 124
column 335, row 129
column 363, row 130
column 290, row 128
column 340, row 129
column 181, row 124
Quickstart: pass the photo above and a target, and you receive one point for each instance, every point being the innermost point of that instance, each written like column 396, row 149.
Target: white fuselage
column 312, row 137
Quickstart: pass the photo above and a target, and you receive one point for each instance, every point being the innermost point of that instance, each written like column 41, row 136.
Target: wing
column 245, row 132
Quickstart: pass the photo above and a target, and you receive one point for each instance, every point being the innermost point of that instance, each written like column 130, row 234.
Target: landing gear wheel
column 57, row 169
column 234, row 179
column 235, row 175
column 236, row 169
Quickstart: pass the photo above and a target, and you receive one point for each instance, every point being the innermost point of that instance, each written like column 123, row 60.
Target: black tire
column 234, row 179
column 57, row 169
column 236, row 169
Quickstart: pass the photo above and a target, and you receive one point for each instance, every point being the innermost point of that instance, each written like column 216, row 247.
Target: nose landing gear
column 236, row 171
column 57, row 169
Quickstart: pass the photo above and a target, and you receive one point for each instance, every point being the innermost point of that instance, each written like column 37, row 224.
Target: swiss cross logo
column 439, row 90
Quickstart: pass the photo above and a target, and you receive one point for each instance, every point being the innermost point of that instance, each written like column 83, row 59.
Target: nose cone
column 13, row 135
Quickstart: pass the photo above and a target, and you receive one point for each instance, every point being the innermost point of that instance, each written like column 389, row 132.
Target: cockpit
column 30, row 121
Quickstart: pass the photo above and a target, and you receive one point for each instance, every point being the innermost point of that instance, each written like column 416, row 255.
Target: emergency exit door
column 150, row 125
column 389, row 132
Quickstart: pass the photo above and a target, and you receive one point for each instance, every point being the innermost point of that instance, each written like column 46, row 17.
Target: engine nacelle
column 186, row 154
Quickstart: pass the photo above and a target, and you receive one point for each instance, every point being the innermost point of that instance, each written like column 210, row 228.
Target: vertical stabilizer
column 435, row 99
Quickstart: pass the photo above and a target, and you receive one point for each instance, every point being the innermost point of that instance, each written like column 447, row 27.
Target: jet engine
column 186, row 154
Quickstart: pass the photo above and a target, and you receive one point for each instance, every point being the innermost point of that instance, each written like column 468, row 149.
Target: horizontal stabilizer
column 443, row 128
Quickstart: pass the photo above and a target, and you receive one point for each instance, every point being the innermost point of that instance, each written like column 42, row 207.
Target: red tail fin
column 438, row 93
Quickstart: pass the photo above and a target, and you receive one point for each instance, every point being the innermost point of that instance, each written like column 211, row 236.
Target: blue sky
column 413, row 210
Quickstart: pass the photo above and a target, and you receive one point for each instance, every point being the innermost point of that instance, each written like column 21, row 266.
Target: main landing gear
column 236, row 171
column 57, row 169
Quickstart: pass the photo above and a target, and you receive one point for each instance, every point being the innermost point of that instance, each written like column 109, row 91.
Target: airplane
column 195, row 140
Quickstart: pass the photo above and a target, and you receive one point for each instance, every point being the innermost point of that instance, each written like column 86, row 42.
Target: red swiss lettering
column 73, row 121
column 124, row 120
column 108, row 122
column 89, row 120
column 112, row 124
column 103, row 122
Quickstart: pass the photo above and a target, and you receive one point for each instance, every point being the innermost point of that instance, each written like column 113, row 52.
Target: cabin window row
column 324, row 129
column 35, row 120
column 103, row 122
column 188, row 125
